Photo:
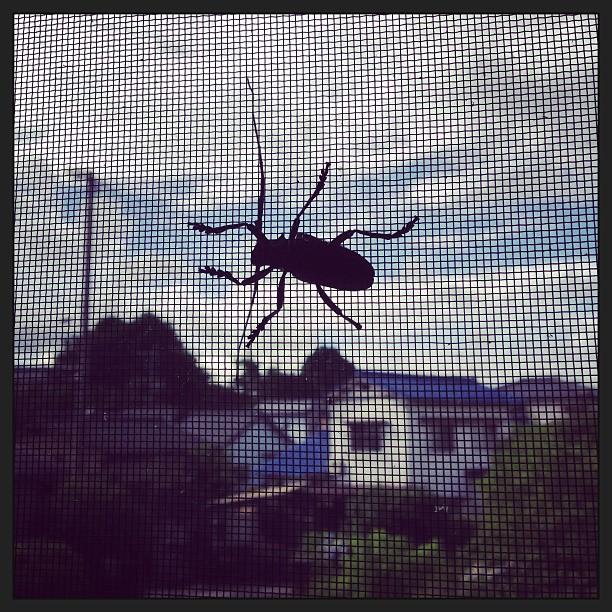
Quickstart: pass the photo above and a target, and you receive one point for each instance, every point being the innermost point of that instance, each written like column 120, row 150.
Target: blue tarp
column 309, row 458
column 450, row 390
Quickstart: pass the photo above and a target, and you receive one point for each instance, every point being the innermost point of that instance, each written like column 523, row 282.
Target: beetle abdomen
column 315, row 261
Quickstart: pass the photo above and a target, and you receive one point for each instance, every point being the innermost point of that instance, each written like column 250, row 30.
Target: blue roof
column 309, row 458
column 440, row 389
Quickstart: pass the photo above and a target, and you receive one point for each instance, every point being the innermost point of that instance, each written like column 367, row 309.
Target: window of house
column 367, row 436
column 441, row 436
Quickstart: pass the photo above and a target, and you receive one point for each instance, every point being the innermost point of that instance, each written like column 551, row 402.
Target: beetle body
column 315, row 261
column 309, row 259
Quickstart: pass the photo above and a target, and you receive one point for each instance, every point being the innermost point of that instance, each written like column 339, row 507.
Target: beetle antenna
column 260, row 211
column 262, row 176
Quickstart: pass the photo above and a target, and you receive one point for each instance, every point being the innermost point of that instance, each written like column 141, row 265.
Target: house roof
column 309, row 458
column 121, row 436
column 219, row 427
column 224, row 427
column 553, row 389
column 428, row 390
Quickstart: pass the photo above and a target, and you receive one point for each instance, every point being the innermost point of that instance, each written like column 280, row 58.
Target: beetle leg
column 207, row 229
column 257, row 276
column 335, row 308
column 230, row 277
column 280, row 300
column 219, row 274
column 349, row 233
column 315, row 193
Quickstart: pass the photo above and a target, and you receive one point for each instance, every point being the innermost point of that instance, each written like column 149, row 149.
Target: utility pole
column 89, row 205
column 82, row 367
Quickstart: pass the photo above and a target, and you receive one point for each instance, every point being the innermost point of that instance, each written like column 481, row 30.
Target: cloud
column 490, row 136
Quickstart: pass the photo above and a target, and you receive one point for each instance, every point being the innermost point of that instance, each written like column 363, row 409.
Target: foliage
column 218, row 472
column 323, row 370
column 540, row 522
column 382, row 565
column 394, row 543
column 326, row 369
column 47, row 569
column 128, row 516
column 130, row 364
column 537, row 537
column 413, row 512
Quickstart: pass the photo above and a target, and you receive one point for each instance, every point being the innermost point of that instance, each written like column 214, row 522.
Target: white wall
column 390, row 466
column 409, row 455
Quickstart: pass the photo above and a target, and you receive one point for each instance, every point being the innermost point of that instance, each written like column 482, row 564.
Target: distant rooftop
column 427, row 390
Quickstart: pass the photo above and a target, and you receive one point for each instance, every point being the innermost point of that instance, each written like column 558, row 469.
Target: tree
column 142, row 521
column 397, row 543
column 326, row 369
column 134, row 365
column 539, row 534
column 322, row 372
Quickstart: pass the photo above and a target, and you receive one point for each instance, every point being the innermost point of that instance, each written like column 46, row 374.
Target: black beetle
column 309, row 259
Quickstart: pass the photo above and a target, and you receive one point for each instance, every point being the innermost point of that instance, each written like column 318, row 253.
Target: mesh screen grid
column 311, row 433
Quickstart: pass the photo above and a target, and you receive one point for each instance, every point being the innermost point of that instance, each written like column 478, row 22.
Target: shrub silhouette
column 141, row 364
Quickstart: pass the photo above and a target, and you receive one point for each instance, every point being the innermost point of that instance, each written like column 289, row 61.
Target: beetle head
column 269, row 252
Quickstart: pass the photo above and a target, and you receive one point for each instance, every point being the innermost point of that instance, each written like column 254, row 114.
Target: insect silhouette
column 309, row 259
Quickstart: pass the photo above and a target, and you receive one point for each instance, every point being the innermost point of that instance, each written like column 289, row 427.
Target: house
column 377, row 429
column 432, row 432
column 43, row 399
column 550, row 399
column 437, row 433
column 306, row 447
column 256, row 436
column 287, row 415
column 282, row 445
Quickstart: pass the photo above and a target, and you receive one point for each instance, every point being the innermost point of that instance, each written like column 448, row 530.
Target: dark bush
column 540, row 528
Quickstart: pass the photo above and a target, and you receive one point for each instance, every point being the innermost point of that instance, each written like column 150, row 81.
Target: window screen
column 241, row 239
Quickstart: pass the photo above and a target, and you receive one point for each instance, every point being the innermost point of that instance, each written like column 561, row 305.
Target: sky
column 485, row 126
